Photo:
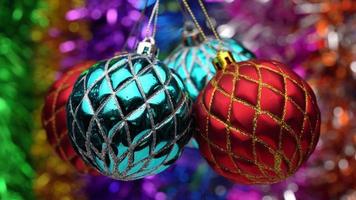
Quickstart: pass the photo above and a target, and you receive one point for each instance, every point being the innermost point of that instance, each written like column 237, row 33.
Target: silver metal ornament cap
column 147, row 47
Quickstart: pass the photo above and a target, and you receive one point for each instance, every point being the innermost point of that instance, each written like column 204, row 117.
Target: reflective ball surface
column 129, row 116
column 193, row 61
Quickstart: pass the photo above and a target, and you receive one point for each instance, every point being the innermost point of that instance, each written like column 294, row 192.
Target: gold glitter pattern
column 257, row 122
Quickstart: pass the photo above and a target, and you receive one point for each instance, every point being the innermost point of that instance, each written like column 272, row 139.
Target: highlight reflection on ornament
column 129, row 116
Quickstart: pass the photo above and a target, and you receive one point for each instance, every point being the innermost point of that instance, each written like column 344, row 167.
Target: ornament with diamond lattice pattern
column 192, row 60
column 54, row 117
column 257, row 121
column 129, row 116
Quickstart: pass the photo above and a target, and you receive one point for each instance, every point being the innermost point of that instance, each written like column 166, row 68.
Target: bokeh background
column 39, row 39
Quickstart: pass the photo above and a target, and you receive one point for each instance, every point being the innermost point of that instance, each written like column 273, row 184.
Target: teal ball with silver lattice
column 193, row 61
column 129, row 116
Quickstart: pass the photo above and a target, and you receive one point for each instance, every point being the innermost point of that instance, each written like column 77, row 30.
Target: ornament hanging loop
column 208, row 19
column 153, row 19
column 223, row 59
column 147, row 47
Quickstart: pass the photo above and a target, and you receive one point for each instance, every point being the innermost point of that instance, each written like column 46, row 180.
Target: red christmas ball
column 54, row 117
column 257, row 122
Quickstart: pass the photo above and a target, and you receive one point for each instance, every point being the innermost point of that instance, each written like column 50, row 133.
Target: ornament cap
column 147, row 47
column 191, row 35
column 222, row 59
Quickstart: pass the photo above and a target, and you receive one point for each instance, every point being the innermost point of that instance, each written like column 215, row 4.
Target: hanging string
column 205, row 12
column 153, row 15
column 202, row 6
column 136, row 28
column 156, row 20
column 183, row 11
column 196, row 23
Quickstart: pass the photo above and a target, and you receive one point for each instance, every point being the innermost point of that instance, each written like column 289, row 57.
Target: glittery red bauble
column 257, row 122
column 54, row 117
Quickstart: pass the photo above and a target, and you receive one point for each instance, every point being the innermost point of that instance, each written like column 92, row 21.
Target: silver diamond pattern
column 118, row 121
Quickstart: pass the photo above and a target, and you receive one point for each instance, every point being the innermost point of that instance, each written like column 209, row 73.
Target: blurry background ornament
column 54, row 117
column 192, row 60
column 257, row 121
column 129, row 116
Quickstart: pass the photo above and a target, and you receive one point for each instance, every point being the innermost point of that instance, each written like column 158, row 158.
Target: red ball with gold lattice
column 54, row 117
column 257, row 122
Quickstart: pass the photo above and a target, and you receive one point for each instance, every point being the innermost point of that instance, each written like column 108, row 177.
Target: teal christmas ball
column 192, row 60
column 129, row 116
